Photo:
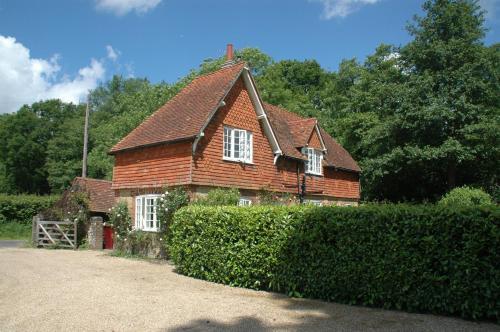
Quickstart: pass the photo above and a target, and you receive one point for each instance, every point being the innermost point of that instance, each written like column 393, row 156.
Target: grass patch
column 15, row 231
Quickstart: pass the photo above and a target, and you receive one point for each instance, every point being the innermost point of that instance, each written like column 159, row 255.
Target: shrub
column 22, row 208
column 168, row 204
column 465, row 196
column 220, row 197
column 119, row 217
column 415, row 258
column 140, row 244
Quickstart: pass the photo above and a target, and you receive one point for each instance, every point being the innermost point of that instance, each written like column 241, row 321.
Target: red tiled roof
column 282, row 120
column 336, row 155
column 278, row 118
column 100, row 194
column 184, row 115
column 301, row 131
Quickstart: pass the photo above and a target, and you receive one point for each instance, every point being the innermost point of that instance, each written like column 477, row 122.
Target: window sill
column 239, row 161
column 314, row 174
column 146, row 230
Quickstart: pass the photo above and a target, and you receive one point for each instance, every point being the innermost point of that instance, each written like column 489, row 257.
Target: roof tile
column 100, row 193
column 183, row 116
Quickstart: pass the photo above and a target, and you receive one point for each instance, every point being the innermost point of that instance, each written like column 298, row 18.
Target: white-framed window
column 314, row 161
column 245, row 201
column 315, row 202
column 145, row 213
column 238, row 145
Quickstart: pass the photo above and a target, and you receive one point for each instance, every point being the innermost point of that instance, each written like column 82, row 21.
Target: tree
column 448, row 88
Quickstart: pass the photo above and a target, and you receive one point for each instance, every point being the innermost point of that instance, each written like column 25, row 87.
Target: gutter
column 182, row 139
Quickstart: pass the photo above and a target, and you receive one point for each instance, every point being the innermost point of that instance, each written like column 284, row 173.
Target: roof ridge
column 219, row 70
column 281, row 108
column 92, row 179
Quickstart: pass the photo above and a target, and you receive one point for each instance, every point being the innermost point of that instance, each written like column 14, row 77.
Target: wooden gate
column 54, row 233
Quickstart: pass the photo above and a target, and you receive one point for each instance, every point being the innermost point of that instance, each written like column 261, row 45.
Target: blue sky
column 62, row 48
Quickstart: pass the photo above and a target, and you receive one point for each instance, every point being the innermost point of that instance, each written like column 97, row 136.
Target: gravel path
column 64, row 290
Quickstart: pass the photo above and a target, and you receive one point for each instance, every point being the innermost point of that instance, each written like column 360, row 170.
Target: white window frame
column 237, row 145
column 314, row 163
column 141, row 213
column 245, row 201
column 315, row 202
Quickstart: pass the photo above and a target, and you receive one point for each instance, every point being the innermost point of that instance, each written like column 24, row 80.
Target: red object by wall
column 108, row 237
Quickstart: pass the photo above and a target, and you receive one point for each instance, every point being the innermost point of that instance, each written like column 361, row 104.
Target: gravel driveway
column 64, row 290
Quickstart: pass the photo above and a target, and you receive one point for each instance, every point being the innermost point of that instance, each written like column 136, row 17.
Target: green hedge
column 22, row 208
column 414, row 258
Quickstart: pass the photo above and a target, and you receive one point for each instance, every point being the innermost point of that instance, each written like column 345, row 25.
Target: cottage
column 217, row 132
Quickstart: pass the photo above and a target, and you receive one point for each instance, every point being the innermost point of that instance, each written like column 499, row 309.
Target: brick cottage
column 217, row 132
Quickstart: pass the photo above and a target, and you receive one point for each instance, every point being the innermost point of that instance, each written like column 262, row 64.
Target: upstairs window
column 238, row 145
column 145, row 213
column 314, row 160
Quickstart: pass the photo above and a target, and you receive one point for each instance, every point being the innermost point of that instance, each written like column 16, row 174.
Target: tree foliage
column 420, row 119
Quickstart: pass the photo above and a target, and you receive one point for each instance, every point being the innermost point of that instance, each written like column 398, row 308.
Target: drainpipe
column 301, row 188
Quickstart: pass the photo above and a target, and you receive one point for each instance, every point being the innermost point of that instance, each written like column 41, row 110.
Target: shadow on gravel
column 319, row 316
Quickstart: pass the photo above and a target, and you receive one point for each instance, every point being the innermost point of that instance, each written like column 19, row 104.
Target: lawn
column 14, row 231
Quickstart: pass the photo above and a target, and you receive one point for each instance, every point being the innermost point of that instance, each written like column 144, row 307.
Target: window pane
column 138, row 212
column 249, row 147
column 227, row 142
column 149, row 212
column 236, row 144
column 243, row 144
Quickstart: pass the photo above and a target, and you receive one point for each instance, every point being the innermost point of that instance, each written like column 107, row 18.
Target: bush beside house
column 415, row 258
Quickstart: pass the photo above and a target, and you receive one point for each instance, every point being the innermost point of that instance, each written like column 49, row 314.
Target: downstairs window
column 145, row 213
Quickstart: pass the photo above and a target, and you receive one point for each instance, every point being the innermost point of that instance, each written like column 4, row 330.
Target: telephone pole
column 86, row 138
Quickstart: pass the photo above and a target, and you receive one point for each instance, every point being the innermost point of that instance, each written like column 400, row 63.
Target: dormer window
column 314, row 161
column 238, row 145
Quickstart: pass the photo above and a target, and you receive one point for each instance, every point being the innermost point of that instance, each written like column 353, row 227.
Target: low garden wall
column 414, row 258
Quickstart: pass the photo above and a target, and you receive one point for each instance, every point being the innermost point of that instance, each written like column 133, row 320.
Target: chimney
column 229, row 52
column 229, row 56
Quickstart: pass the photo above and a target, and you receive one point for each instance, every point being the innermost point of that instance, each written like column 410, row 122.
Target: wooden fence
column 54, row 233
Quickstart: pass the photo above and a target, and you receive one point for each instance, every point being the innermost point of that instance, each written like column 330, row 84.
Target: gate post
column 34, row 230
column 95, row 235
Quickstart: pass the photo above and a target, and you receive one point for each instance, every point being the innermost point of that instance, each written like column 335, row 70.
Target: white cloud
column 490, row 7
column 342, row 8
column 112, row 53
column 24, row 80
column 122, row 7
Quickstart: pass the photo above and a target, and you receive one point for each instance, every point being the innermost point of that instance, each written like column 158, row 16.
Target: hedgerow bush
column 220, row 197
column 22, row 208
column 466, row 196
column 414, row 258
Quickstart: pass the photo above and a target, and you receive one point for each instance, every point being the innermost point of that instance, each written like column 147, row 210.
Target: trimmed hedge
column 22, row 208
column 414, row 258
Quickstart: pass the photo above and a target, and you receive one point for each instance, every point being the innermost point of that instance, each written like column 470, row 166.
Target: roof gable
column 183, row 116
column 283, row 120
